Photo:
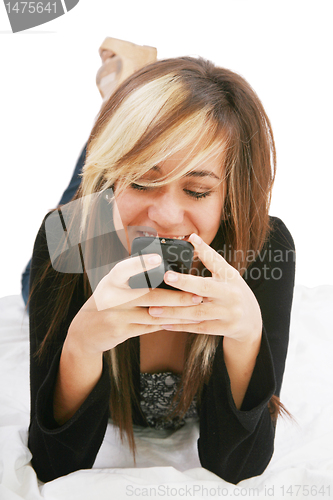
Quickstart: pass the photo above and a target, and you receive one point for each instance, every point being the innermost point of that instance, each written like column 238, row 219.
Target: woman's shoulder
column 279, row 235
column 40, row 255
column 275, row 260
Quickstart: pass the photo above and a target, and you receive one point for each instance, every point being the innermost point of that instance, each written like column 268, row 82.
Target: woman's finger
column 214, row 327
column 170, row 298
column 203, row 287
column 141, row 329
column 212, row 260
column 127, row 268
column 140, row 315
column 203, row 312
column 113, row 290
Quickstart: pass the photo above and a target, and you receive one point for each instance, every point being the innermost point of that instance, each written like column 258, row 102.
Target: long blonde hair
column 165, row 107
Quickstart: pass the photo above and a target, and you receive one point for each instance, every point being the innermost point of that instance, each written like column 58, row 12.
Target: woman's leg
column 75, row 180
column 66, row 197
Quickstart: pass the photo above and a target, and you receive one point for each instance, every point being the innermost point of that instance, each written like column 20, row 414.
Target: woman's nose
column 166, row 210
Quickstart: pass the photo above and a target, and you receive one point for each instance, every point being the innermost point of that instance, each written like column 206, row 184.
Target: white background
column 49, row 100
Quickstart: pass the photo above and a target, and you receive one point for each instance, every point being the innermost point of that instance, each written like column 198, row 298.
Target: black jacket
column 234, row 444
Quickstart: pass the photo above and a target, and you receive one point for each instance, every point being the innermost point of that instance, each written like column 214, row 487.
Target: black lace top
column 156, row 393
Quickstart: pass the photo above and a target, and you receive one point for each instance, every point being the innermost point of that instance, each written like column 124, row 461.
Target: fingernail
column 172, row 277
column 196, row 299
column 195, row 239
column 167, row 327
column 155, row 311
column 154, row 259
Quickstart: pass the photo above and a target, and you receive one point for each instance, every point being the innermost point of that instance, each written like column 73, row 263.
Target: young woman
column 183, row 150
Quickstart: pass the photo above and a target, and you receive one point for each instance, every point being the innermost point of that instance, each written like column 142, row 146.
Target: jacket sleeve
column 58, row 450
column 238, row 444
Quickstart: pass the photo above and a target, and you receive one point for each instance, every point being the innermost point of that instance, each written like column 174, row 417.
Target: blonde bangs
column 125, row 128
column 199, row 146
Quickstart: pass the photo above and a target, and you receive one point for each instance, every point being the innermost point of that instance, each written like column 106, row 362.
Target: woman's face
column 192, row 204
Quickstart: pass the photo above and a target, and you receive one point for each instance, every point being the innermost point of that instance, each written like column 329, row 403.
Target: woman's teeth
column 149, row 234
column 145, row 233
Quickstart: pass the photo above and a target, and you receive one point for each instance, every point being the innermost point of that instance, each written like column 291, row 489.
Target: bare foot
column 120, row 59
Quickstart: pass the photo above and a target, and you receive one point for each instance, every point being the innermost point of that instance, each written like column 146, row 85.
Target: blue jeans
column 66, row 197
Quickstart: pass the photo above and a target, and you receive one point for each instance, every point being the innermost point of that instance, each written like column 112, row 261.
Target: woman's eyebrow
column 202, row 173
column 193, row 173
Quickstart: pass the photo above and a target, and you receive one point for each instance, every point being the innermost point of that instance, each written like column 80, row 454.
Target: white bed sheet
column 167, row 463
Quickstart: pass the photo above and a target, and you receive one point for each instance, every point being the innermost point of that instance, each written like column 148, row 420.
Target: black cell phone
column 177, row 255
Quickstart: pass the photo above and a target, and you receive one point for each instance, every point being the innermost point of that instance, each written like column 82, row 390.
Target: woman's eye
column 139, row 187
column 197, row 194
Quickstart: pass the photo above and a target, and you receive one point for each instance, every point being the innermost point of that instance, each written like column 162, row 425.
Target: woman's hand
column 229, row 307
column 115, row 312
